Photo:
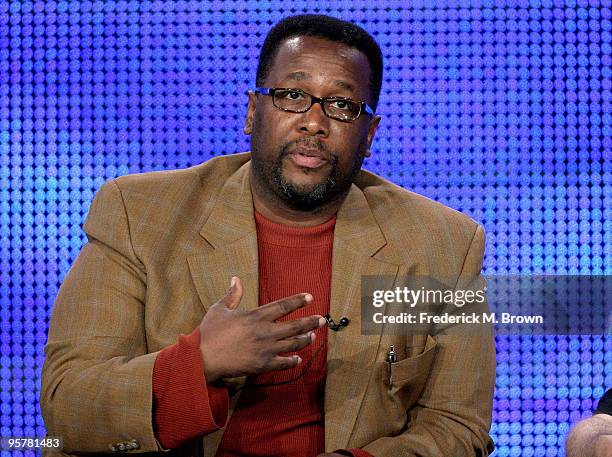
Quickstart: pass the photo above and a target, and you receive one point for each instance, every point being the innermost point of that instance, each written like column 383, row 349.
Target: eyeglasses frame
column 363, row 106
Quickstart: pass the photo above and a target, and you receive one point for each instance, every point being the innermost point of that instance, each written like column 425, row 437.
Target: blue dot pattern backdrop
column 497, row 108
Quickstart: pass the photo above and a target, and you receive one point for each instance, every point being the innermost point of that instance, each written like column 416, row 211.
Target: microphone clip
column 335, row 327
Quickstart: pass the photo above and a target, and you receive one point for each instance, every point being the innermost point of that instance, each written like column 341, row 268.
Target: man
column 291, row 228
column 592, row 437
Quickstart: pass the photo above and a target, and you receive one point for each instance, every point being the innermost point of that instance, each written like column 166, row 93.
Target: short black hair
column 329, row 28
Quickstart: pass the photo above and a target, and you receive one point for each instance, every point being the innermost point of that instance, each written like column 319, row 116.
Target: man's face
column 308, row 159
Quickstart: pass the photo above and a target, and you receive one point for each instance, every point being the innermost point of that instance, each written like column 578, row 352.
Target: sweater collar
column 271, row 232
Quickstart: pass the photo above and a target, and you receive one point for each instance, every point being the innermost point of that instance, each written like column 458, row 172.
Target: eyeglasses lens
column 299, row 102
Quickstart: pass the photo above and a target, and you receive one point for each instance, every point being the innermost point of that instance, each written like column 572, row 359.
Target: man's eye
column 342, row 104
column 292, row 94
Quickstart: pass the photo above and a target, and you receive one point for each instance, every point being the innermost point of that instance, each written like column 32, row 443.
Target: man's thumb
column 234, row 294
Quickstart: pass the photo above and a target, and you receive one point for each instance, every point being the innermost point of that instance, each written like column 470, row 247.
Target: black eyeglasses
column 297, row 101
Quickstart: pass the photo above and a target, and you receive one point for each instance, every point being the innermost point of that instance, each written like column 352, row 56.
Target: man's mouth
column 308, row 158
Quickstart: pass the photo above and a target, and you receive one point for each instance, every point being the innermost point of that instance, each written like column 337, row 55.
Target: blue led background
column 497, row 108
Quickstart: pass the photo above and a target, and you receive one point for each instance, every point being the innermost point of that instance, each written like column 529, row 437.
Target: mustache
column 307, row 143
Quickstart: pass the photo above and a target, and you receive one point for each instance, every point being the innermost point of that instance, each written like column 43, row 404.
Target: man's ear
column 371, row 132
column 248, row 124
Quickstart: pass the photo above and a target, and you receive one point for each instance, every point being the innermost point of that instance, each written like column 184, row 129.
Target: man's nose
column 314, row 121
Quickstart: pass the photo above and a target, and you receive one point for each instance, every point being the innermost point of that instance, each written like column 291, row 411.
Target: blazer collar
column 232, row 217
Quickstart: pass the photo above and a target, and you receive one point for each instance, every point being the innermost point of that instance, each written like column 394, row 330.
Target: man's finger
column 295, row 343
column 283, row 363
column 234, row 294
column 287, row 329
column 279, row 308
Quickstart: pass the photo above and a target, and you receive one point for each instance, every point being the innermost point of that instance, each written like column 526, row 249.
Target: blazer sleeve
column 453, row 414
column 96, row 379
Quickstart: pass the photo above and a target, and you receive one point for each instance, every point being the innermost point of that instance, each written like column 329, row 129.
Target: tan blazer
column 162, row 248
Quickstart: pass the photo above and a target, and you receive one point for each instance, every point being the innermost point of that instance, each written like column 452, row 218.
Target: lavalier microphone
column 335, row 327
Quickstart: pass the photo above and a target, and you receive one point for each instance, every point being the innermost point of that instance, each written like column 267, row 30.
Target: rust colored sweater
column 280, row 420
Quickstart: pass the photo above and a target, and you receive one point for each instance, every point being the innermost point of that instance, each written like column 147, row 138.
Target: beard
column 301, row 197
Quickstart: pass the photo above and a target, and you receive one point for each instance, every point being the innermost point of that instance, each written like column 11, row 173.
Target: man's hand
column 236, row 343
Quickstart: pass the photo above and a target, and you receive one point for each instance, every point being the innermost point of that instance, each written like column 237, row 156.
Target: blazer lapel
column 350, row 354
column 230, row 231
